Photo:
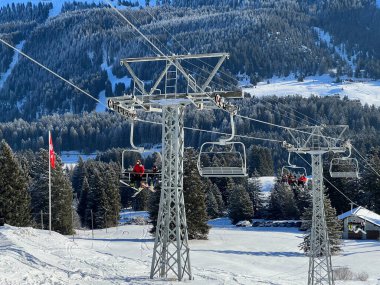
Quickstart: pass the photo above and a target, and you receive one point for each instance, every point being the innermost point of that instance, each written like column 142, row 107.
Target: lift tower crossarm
column 165, row 58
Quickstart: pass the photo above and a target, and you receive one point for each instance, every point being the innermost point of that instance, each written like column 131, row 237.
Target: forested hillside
column 264, row 38
column 100, row 131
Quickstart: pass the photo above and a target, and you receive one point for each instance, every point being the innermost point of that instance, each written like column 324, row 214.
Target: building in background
column 360, row 223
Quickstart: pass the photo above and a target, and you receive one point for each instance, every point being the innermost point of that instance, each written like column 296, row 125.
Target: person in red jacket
column 138, row 171
column 302, row 181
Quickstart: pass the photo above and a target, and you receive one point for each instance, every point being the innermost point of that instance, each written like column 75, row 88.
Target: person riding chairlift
column 153, row 179
column 302, row 181
column 291, row 179
column 138, row 171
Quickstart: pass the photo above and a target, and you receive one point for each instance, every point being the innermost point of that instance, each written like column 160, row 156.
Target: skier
column 138, row 171
column 152, row 180
column 302, row 181
column 291, row 179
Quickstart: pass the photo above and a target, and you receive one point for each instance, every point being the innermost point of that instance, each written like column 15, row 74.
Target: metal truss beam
column 320, row 268
column 315, row 142
column 171, row 253
column 184, row 56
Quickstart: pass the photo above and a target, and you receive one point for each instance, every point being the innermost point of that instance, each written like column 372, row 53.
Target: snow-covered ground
column 70, row 158
column 122, row 255
column 4, row 77
column 267, row 183
column 367, row 91
column 341, row 49
column 127, row 216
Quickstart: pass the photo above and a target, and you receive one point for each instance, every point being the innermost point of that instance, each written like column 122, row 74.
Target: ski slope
column 122, row 256
column 367, row 91
column 5, row 75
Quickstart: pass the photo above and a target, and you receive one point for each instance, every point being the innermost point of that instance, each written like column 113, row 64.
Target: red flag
column 51, row 152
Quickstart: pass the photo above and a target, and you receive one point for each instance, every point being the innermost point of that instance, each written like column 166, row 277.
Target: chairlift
column 293, row 169
column 148, row 179
column 344, row 167
column 233, row 153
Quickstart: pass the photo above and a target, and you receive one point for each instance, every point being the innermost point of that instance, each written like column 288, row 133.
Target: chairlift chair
column 127, row 174
column 294, row 169
column 344, row 167
column 229, row 148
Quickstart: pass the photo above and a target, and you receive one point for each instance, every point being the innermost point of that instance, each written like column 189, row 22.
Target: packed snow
column 367, row 91
column 122, row 255
column 4, row 77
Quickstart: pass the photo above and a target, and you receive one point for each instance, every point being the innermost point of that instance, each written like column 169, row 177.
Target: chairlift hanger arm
column 139, row 149
column 224, row 141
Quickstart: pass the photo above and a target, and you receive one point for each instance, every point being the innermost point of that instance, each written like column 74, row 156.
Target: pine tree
column 194, row 197
column 103, row 198
column 82, row 206
column 370, row 183
column 211, row 203
column 240, row 205
column 14, row 197
column 78, row 176
column 61, row 192
column 219, row 199
column 282, row 204
column 153, row 208
column 255, row 194
column 113, row 195
column 195, row 204
column 261, row 161
column 334, row 227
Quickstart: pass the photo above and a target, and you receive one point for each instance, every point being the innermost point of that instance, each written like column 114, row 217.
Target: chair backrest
column 345, row 167
column 238, row 161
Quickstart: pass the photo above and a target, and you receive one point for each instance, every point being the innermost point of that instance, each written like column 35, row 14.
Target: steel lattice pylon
column 166, row 96
column 171, row 250
column 320, row 268
column 317, row 140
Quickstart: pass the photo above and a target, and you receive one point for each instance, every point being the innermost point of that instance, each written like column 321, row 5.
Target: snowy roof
column 363, row 213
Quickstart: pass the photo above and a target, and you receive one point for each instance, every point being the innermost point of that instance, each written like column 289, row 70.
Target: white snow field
column 122, row 256
column 367, row 91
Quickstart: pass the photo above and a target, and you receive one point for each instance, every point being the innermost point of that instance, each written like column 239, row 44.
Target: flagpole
column 49, row 185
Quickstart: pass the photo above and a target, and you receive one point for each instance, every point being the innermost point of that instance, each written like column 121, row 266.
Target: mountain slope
column 278, row 38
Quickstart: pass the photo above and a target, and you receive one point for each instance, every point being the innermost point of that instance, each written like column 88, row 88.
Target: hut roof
column 363, row 213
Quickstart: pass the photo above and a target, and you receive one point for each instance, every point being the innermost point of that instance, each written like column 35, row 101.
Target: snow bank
column 123, row 255
column 366, row 91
